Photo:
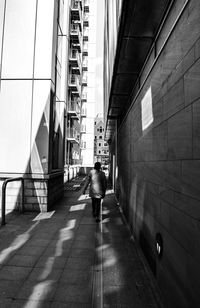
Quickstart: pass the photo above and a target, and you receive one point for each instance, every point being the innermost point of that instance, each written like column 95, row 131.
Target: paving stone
column 21, row 260
column 79, row 244
column 42, row 273
column 9, row 289
column 18, row 303
column 78, row 277
column 58, row 304
column 14, row 273
column 79, row 263
column 73, row 293
column 39, row 242
column 57, row 262
column 29, row 250
column 82, row 253
column 5, row 302
column 40, row 291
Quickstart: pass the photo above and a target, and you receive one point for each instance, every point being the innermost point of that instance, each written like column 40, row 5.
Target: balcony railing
column 74, row 109
column 86, row 20
column 83, row 112
column 86, row 6
column 74, row 83
column 75, row 60
column 75, row 34
column 85, row 65
column 85, row 35
column 84, row 97
column 85, row 49
column 84, row 81
column 83, row 129
column 83, row 145
column 75, row 10
column 72, row 135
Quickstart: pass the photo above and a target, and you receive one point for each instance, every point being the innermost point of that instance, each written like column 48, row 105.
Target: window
column 99, row 152
column 105, row 144
column 95, row 137
column 99, row 144
column 100, row 137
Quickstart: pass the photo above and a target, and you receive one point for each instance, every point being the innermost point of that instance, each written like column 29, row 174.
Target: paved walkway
column 65, row 259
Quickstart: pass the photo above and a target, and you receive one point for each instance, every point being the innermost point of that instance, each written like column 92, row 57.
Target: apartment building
column 77, row 85
column 43, row 95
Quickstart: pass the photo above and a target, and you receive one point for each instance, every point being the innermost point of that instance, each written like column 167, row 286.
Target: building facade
column 151, row 73
column 77, row 87
column 34, row 56
column 101, row 148
column 44, row 97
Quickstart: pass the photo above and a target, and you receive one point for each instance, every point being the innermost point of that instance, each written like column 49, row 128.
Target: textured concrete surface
column 65, row 259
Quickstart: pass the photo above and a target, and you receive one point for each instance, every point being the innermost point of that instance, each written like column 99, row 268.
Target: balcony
column 75, row 34
column 74, row 84
column 75, row 61
column 85, row 35
column 85, row 49
column 83, row 112
column 85, row 65
column 84, row 81
column 75, row 10
column 86, row 20
column 84, row 97
column 83, row 129
column 83, row 145
column 74, row 109
column 86, row 6
column 72, row 135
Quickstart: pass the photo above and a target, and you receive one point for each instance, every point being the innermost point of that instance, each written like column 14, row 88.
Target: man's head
column 97, row 166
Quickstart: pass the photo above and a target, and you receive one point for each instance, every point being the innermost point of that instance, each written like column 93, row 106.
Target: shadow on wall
column 138, row 212
column 41, row 191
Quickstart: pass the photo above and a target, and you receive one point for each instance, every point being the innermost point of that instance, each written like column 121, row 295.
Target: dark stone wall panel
column 159, row 164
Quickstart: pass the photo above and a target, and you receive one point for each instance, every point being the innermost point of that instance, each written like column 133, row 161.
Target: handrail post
column 3, row 219
column 21, row 207
column 3, row 204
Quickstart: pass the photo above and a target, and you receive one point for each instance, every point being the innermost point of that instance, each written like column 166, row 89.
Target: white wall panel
column 15, row 119
column 40, row 126
column 18, row 45
column 2, row 3
column 44, row 39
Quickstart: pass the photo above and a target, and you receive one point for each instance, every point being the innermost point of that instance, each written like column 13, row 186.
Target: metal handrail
column 3, row 204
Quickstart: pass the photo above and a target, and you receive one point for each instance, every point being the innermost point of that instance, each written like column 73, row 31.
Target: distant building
column 101, row 150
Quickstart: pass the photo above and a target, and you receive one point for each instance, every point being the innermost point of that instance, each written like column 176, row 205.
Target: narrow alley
column 63, row 258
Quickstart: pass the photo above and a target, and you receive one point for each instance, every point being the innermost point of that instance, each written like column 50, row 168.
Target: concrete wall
column 158, row 163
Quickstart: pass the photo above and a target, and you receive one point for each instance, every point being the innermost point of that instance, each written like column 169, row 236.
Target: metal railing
column 72, row 133
column 3, row 203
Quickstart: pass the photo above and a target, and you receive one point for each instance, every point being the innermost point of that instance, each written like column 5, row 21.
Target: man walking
column 97, row 180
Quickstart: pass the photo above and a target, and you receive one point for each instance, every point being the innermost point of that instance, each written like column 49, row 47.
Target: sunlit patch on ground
column 77, row 207
column 42, row 216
